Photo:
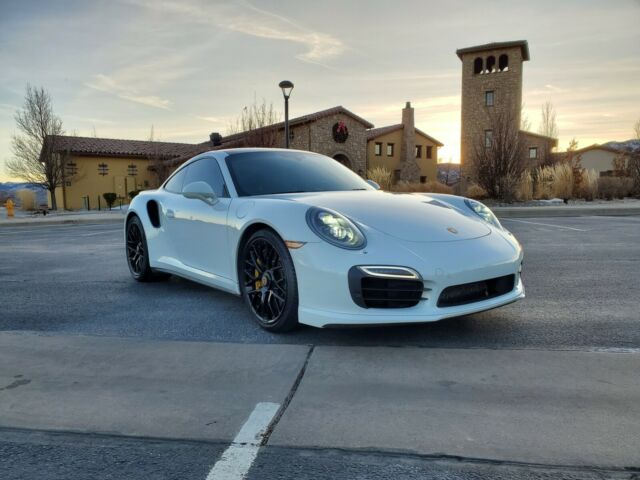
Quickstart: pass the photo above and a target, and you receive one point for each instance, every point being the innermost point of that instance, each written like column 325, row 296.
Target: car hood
column 416, row 218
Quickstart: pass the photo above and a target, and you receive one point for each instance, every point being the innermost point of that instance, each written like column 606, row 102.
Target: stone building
column 409, row 153
column 492, row 88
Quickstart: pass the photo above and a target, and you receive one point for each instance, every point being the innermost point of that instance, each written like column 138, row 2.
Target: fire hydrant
column 10, row 208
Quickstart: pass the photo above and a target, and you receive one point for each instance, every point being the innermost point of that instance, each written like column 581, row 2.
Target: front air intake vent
column 380, row 292
column 476, row 291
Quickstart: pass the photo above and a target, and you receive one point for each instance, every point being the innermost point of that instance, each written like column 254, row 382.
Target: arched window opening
column 477, row 66
column 491, row 64
column 503, row 63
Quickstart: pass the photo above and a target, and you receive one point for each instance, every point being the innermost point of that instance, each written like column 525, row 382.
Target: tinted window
column 208, row 171
column 263, row 173
column 175, row 183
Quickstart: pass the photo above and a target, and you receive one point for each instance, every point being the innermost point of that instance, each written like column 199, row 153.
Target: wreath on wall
column 340, row 132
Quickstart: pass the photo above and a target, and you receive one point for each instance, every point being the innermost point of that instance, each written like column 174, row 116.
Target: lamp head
column 286, row 87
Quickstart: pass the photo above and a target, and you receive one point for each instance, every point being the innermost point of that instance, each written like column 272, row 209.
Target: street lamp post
column 286, row 87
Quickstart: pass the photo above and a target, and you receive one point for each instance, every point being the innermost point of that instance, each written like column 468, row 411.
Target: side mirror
column 200, row 191
column 373, row 184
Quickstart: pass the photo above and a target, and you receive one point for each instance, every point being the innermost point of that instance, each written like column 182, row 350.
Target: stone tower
column 491, row 82
column 409, row 171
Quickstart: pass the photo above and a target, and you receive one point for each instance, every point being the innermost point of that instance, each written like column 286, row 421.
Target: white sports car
column 304, row 239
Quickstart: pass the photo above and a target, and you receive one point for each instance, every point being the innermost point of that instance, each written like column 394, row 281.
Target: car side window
column 208, row 171
column 174, row 185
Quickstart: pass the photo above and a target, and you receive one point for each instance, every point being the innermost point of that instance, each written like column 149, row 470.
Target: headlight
column 335, row 228
column 483, row 212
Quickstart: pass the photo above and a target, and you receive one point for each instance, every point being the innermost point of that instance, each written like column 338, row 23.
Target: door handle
column 170, row 214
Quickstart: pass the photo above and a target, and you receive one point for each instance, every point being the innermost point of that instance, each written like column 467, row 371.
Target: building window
column 418, row 151
column 477, row 66
column 533, row 152
column 396, row 176
column 491, row 64
column 71, row 168
column 389, row 149
column 378, row 149
column 429, row 151
column 132, row 170
column 488, row 138
column 103, row 169
column 503, row 63
column 488, row 98
column 423, row 179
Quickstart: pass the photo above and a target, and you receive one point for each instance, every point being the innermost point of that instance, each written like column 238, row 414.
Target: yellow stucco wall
column 88, row 181
column 428, row 166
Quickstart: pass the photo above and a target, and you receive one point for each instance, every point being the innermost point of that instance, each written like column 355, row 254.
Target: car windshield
column 272, row 172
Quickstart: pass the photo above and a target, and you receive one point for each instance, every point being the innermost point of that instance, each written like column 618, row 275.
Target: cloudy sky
column 188, row 67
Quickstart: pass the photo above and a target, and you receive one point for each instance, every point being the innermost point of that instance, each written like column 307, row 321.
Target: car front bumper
column 323, row 284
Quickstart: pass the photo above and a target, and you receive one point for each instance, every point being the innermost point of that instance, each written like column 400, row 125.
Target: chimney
column 410, row 172
column 216, row 139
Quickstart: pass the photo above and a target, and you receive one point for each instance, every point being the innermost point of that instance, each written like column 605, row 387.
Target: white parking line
column 235, row 462
column 543, row 224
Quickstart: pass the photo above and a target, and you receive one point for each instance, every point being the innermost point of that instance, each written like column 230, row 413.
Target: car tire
column 268, row 282
column 137, row 253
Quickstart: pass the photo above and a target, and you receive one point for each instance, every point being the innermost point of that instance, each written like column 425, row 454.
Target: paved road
column 104, row 378
column 581, row 276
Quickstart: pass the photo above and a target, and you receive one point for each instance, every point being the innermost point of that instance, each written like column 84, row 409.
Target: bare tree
column 157, row 161
column 256, row 123
column 548, row 126
column 499, row 161
column 35, row 154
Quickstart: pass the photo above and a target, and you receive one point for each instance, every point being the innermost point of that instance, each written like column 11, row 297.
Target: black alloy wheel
column 138, row 253
column 268, row 281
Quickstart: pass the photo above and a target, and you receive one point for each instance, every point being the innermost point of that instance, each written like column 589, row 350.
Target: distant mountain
column 9, row 189
column 630, row 146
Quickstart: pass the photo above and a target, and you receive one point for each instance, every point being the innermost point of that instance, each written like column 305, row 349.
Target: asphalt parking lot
column 101, row 377
column 581, row 276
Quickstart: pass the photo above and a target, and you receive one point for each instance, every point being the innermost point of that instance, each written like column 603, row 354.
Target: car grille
column 380, row 292
column 476, row 291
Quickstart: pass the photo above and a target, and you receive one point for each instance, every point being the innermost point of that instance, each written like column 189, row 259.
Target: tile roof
column 111, row 147
column 524, row 47
column 378, row 132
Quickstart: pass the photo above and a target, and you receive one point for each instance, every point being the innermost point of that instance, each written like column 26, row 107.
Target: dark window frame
column 535, row 151
column 391, row 148
column 377, row 149
column 430, row 152
column 418, row 151
column 489, row 94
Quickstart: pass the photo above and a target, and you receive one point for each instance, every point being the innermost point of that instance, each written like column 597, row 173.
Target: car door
column 203, row 223
column 169, row 199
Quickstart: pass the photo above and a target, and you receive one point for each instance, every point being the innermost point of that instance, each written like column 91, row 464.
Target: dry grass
column 524, row 189
column 429, row 187
column 476, row 191
column 543, row 183
column 381, row 176
column 588, row 188
column 614, row 187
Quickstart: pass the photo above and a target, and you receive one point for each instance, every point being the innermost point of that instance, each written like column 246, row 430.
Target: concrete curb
column 561, row 211
column 59, row 221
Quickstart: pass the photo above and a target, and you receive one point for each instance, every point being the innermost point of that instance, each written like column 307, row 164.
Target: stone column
column 409, row 170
